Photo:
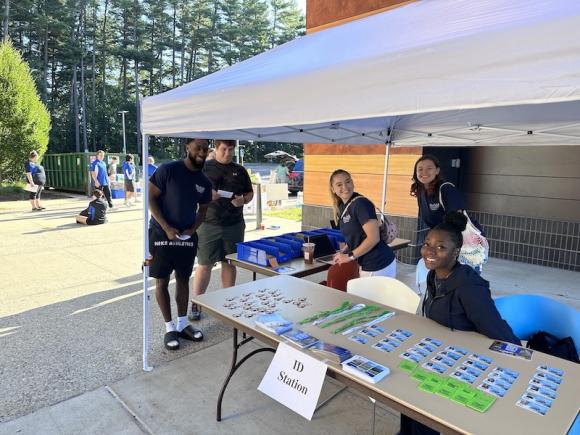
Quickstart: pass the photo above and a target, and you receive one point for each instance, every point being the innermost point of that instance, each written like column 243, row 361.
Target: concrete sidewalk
column 180, row 398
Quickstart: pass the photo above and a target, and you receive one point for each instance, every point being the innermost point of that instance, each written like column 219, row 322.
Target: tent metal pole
column 385, row 175
column 145, row 190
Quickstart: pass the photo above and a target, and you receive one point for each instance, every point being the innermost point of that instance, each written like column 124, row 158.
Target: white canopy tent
column 434, row 72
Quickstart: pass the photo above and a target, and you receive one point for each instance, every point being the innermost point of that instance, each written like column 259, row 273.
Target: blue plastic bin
column 117, row 193
column 294, row 246
column 257, row 253
column 283, row 247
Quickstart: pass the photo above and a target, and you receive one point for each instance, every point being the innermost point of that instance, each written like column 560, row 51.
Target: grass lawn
column 293, row 214
column 12, row 191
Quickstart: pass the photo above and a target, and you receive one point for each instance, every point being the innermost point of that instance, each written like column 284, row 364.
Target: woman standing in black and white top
column 357, row 219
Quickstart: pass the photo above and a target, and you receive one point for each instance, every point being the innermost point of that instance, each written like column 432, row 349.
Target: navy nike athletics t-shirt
column 181, row 192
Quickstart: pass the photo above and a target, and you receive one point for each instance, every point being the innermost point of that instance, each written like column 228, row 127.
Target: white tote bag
column 33, row 188
column 475, row 249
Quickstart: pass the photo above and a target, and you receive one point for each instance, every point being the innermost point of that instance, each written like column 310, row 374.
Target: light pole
column 122, row 112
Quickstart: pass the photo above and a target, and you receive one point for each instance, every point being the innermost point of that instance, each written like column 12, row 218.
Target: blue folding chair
column 528, row 314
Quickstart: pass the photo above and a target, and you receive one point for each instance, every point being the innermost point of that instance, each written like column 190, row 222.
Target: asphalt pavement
column 71, row 311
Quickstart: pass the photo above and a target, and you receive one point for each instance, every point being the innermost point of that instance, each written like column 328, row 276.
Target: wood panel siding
column 321, row 14
column 358, row 164
column 316, row 148
column 324, row 148
column 361, row 164
column 367, row 171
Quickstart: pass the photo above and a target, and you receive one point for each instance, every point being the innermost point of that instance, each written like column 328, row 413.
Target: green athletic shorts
column 216, row 241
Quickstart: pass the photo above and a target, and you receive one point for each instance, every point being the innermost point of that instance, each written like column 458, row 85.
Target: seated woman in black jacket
column 457, row 296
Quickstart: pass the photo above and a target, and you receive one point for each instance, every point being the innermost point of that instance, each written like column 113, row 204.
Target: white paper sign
column 295, row 380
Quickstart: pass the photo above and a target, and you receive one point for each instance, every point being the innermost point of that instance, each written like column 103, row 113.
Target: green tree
column 24, row 120
column 91, row 59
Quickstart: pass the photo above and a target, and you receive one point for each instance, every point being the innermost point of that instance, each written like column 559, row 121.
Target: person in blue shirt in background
column 100, row 176
column 35, row 176
column 151, row 166
column 129, row 175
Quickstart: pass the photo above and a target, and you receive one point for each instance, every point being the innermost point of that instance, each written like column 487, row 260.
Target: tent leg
column 144, row 189
column 385, row 174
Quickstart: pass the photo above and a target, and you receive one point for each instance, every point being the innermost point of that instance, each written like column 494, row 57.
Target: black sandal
column 189, row 333
column 169, row 337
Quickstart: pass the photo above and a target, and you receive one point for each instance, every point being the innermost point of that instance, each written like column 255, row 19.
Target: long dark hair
column 417, row 187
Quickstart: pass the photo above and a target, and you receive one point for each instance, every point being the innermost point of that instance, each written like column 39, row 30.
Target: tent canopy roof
column 434, row 72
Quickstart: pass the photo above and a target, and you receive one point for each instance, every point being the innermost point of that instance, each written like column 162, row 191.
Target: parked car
column 296, row 177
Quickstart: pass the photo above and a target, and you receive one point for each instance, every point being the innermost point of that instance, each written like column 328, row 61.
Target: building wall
column 366, row 165
column 528, row 200
column 321, row 14
column 539, row 182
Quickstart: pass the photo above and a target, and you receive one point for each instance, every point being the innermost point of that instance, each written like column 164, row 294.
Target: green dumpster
column 70, row 171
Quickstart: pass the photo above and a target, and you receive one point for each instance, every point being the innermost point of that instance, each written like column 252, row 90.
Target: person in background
column 282, row 173
column 129, row 176
column 357, row 219
column 96, row 212
column 428, row 181
column 100, row 176
column 179, row 194
column 457, row 296
column 35, row 176
column 151, row 166
column 224, row 225
column 113, row 169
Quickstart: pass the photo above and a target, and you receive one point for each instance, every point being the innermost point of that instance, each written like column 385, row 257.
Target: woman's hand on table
column 341, row 258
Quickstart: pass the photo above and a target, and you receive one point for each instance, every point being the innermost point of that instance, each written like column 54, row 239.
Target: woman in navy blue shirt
column 357, row 219
column 427, row 183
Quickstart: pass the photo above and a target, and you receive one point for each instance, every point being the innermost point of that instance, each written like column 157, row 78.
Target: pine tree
column 24, row 120
column 84, row 65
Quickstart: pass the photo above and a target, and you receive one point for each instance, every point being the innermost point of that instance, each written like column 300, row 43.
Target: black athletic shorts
column 171, row 255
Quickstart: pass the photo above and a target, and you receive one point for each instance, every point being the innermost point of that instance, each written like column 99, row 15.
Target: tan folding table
column 301, row 269
column 398, row 390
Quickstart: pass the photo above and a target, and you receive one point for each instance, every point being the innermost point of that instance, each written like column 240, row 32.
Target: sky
column 302, row 5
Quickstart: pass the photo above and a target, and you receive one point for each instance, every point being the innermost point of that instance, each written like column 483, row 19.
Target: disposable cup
column 308, row 249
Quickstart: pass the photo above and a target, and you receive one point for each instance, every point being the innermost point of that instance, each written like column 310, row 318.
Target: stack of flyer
column 300, row 338
column 274, row 323
column 365, row 369
column 331, row 352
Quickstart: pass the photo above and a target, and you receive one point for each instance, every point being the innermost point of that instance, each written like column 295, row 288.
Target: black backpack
column 547, row 343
